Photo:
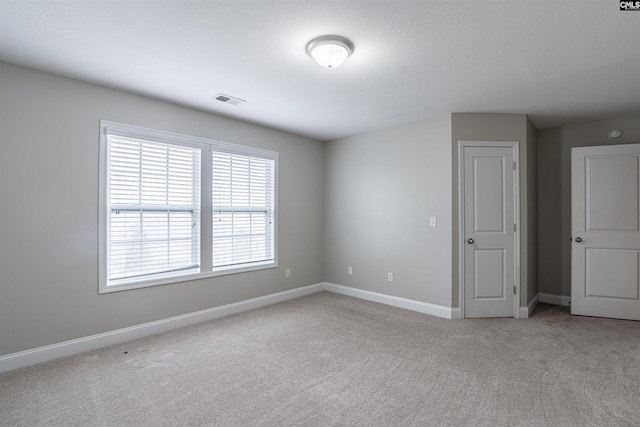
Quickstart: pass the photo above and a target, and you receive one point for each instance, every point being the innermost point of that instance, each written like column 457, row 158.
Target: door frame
column 515, row 145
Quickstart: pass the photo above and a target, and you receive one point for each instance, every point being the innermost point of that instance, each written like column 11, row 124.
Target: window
column 155, row 207
column 243, row 222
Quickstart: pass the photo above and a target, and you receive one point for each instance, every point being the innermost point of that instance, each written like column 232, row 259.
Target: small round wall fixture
column 615, row 134
column 330, row 51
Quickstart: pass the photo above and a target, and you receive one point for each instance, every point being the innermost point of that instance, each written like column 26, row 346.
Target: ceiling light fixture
column 330, row 51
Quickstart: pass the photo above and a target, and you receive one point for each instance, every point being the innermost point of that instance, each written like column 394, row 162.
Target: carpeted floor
column 328, row 359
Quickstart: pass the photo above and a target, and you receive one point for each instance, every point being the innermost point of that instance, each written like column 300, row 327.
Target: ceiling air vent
column 229, row 99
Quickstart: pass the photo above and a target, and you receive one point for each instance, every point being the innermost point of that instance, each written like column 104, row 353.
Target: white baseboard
column 67, row 348
column 419, row 306
column 525, row 312
column 554, row 299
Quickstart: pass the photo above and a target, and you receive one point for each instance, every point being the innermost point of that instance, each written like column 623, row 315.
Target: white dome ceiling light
column 330, row 51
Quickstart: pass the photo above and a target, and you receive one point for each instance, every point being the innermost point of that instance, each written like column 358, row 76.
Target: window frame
column 207, row 147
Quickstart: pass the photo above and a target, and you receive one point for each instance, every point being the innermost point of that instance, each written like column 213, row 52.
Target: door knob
column 470, row 241
column 578, row 239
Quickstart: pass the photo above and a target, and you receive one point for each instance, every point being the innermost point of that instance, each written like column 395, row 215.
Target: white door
column 489, row 194
column 605, row 228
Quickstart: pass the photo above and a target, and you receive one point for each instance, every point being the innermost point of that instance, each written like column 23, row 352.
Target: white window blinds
column 153, row 208
column 175, row 207
column 243, row 198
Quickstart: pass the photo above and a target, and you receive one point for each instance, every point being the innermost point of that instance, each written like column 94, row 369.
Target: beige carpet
column 328, row 359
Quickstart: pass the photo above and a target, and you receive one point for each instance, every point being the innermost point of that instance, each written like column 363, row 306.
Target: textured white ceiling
column 560, row 61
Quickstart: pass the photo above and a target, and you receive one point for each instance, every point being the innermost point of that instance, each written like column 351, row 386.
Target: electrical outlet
column 287, row 273
column 389, row 277
column 350, row 271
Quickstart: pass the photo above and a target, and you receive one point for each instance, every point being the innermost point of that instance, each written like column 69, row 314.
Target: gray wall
column 554, row 192
column 381, row 187
column 49, row 211
column 532, row 214
column 499, row 127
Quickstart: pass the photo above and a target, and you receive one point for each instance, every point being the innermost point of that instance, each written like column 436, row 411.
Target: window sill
column 125, row 285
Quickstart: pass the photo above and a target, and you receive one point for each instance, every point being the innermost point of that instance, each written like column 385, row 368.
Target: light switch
column 433, row 221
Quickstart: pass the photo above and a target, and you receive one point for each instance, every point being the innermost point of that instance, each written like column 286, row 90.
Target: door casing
column 461, row 219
